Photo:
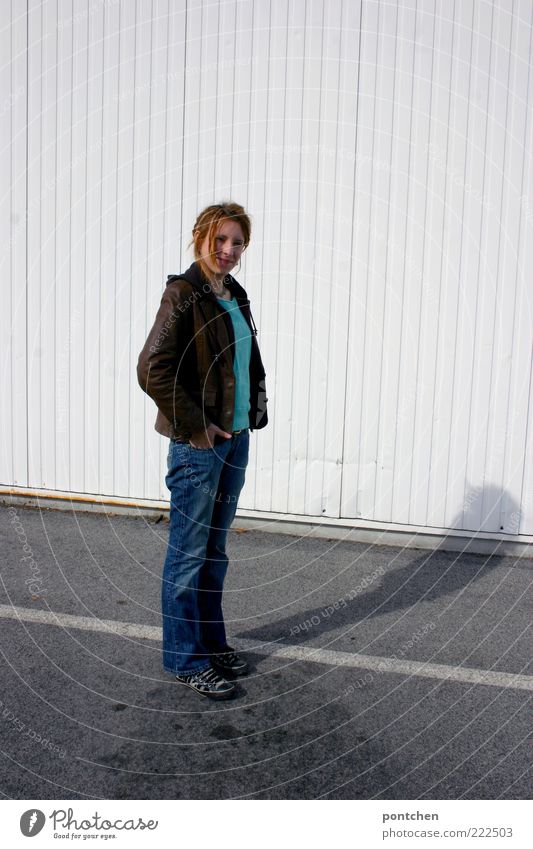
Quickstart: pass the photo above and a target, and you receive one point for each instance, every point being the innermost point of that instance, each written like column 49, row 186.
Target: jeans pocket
column 176, row 452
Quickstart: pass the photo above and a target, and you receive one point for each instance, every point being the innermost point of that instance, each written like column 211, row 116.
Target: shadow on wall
column 488, row 509
column 391, row 587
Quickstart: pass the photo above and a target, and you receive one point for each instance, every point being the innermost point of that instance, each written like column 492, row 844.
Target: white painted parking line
column 460, row 674
column 391, row 665
column 81, row 623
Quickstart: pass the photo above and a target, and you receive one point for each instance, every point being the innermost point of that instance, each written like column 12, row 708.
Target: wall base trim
column 347, row 530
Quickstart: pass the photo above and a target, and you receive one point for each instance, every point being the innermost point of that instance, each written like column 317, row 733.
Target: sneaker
column 229, row 662
column 208, row 683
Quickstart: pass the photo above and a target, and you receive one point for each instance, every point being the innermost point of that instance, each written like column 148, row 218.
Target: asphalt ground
column 376, row 672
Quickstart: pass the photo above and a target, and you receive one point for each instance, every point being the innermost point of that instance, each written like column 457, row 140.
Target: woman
column 202, row 367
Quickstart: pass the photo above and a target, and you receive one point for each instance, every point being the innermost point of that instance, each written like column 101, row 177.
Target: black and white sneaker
column 208, row 683
column 229, row 662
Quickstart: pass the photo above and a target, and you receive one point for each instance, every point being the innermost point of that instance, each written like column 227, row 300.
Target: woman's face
column 228, row 247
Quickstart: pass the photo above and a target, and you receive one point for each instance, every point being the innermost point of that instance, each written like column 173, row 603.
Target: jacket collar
column 194, row 276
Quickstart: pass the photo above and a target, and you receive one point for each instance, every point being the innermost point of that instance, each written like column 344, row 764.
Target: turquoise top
column 241, row 363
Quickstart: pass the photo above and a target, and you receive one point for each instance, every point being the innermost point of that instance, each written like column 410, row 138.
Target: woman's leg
column 193, row 477
column 213, row 571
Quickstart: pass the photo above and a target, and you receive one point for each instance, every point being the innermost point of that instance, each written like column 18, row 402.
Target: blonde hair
column 206, row 226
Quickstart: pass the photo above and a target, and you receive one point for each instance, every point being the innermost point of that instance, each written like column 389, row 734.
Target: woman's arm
column 160, row 360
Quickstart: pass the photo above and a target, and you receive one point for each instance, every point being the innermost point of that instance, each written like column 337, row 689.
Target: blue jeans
column 205, row 485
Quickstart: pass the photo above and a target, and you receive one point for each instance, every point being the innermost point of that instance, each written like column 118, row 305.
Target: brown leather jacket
column 186, row 365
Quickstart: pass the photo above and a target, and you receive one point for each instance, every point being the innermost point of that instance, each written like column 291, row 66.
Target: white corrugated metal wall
column 384, row 151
